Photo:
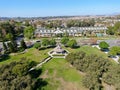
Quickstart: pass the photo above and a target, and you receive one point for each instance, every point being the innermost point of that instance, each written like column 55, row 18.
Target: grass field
column 61, row 76
column 91, row 50
column 32, row 54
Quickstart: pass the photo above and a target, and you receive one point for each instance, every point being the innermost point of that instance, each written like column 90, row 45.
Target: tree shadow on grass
column 76, row 47
column 4, row 57
column 39, row 82
column 35, row 73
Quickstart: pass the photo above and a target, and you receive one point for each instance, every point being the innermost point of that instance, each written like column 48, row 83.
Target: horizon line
column 57, row 16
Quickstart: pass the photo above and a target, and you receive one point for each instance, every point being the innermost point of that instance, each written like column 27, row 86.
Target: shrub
column 72, row 43
column 103, row 45
column 37, row 45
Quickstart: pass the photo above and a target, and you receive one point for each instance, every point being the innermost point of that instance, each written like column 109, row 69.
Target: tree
column 14, row 43
column 16, row 76
column 92, row 81
column 103, row 45
column 110, row 31
column 115, row 30
column 45, row 42
column 92, row 65
column 7, row 31
column 37, row 45
column 72, row 43
column 29, row 32
column 52, row 42
column 115, row 50
column 112, row 77
column 10, row 36
column 12, row 46
column 5, row 47
column 23, row 45
column 64, row 40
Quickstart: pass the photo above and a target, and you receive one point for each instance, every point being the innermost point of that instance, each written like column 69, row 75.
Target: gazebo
column 58, row 52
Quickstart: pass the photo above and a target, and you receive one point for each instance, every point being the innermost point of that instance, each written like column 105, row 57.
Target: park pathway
column 41, row 63
column 116, row 58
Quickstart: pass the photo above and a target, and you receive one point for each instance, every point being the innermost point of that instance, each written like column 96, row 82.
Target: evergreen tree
column 12, row 45
column 5, row 47
column 11, row 48
column 72, row 43
column 64, row 40
column 52, row 42
column 23, row 45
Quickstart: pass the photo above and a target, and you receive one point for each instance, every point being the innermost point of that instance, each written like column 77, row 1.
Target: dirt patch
column 108, row 87
column 45, row 75
column 67, row 85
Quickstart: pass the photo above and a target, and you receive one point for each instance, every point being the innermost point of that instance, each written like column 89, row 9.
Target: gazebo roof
column 58, row 49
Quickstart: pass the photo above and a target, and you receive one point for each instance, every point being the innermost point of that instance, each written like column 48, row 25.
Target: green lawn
column 32, row 54
column 60, row 75
column 91, row 50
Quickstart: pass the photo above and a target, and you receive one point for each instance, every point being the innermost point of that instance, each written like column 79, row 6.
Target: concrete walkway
column 41, row 63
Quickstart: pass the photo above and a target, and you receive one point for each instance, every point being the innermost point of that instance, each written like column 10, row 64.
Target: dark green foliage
column 73, row 56
column 92, row 82
column 45, row 42
column 16, row 76
column 110, row 31
column 37, row 45
column 5, row 47
column 12, row 46
column 4, row 57
column 115, row 50
column 112, row 77
column 72, row 43
column 103, row 45
column 23, row 45
column 8, row 31
column 29, row 32
column 52, row 42
column 94, row 67
column 35, row 73
column 9, row 36
column 64, row 40
column 115, row 30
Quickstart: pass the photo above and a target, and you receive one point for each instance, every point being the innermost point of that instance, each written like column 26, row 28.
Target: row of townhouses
column 74, row 31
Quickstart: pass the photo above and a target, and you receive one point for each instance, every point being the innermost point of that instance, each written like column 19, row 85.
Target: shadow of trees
column 39, row 82
column 4, row 57
column 35, row 73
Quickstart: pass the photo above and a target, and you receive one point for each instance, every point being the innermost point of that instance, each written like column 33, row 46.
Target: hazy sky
column 15, row 8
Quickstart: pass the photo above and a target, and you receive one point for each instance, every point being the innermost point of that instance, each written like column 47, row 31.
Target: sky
column 41, row 8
